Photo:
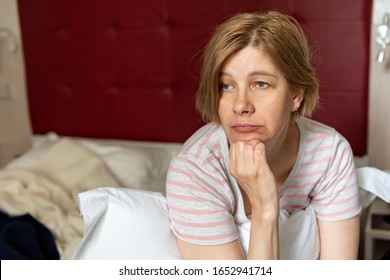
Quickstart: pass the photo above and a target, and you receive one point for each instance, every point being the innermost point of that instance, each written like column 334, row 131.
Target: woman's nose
column 243, row 105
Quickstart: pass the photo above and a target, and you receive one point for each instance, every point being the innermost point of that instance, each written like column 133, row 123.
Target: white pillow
column 125, row 224
column 136, row 164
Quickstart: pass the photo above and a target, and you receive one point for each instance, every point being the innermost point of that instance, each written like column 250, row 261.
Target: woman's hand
column 248, row 165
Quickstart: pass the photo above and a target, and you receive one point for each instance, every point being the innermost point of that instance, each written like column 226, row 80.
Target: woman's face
column 255, row 100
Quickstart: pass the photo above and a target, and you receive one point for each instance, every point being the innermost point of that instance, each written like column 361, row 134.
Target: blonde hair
column 280, row 36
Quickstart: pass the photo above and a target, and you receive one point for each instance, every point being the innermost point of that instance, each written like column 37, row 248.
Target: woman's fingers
column 246, row 158
column 248, row 165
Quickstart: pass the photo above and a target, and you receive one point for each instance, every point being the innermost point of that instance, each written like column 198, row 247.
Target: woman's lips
column 245, row 127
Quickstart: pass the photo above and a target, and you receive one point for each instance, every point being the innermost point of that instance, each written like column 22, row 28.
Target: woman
column 259, row 154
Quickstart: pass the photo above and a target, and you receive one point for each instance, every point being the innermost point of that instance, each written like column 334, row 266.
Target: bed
column 46, row 183
column 110, row 89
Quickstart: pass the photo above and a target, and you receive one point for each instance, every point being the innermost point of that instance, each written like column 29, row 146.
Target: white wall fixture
column 383, row 36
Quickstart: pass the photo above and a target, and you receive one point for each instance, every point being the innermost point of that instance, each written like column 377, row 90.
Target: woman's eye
column 226, row 87
column 261, row 84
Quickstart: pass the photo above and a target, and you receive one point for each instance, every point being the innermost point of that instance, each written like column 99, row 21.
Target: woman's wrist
column 265, row 214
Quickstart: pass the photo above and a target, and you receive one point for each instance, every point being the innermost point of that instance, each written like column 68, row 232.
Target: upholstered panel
column 128, row 69
column 341, row 30
column 117, row 69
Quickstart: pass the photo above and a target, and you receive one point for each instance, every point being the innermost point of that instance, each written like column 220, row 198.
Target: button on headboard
column 128, row 69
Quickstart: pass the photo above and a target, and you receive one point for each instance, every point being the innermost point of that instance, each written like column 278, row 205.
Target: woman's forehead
column 250, row 61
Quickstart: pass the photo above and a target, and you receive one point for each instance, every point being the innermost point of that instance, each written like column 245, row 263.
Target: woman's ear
column 297, row 100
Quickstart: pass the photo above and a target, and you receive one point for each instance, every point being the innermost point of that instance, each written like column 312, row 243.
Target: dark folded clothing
column 24, row 238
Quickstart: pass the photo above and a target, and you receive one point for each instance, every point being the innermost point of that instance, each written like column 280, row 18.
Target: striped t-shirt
column 204, row 200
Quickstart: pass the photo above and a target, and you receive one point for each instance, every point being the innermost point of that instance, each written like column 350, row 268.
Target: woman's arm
column 263, row 245
column 339, row 240
column 229, row 251
column 249, row 167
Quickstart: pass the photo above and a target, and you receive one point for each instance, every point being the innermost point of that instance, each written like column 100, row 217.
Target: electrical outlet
column 4, row 92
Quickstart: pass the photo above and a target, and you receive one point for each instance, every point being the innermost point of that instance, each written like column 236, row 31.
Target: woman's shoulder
column 317, row 133
column 315, row 127
column 321, row 141
column 207, row 140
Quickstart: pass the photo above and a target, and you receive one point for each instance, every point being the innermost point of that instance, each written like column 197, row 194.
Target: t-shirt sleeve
column 337, row 196
column 200, row 202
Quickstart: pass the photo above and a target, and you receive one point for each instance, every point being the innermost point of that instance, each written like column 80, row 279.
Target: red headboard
column 128, row 69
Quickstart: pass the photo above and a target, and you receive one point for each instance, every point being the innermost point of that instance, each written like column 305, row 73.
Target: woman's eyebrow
column 262, row 73
column 254, row 73
column 221, row 73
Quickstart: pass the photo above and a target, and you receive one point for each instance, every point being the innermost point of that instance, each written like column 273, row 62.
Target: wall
column 106, row 57
column 379, row 96
column 15, row 129
column 15, row 126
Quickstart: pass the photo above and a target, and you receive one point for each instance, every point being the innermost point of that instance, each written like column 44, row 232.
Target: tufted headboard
column 128, row 69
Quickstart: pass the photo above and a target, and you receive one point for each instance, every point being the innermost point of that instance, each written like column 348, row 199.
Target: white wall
column 379, row 96
column 15, row 129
